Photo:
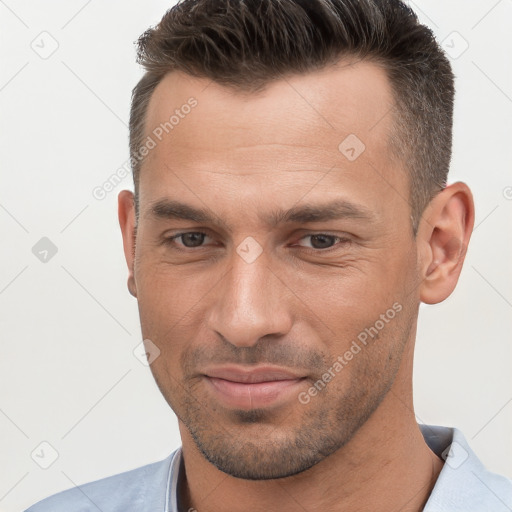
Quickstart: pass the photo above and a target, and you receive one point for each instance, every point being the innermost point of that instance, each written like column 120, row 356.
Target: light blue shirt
column 463, row 485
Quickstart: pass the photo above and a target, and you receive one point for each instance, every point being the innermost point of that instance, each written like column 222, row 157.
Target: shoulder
column 464, row 483
column 142, row 488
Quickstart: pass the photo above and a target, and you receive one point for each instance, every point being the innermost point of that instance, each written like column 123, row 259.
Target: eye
column 322, row 241
column 319, row 242
column 190, row 239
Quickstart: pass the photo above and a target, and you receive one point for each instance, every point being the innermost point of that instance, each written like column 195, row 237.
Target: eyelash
column 341, row 241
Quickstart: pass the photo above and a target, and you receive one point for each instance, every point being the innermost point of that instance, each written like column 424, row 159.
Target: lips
column 252, row 376
column 252, row 388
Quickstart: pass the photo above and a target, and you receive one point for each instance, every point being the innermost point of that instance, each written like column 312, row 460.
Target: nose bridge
column 249, row 301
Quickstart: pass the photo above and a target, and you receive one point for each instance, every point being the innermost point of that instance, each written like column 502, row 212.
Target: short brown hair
column 245, row 44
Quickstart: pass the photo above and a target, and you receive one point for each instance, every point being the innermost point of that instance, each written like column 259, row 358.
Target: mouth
column 250, row 389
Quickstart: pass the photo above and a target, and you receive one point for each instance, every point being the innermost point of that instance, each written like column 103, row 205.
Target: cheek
column 166, row 293
column 347, row 300
column 357, row 307
column 370, row 354
column 171, row 308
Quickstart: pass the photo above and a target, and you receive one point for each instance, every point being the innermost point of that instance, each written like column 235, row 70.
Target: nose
column 250, row 302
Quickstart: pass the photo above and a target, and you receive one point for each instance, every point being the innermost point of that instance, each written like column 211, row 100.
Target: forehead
column 346, row 97
column 285, row 137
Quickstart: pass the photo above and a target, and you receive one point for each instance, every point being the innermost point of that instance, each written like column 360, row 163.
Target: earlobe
column 126, row 214
column 444, row 234
column 131, row 286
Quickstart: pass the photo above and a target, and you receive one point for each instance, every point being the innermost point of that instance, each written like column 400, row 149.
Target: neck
column 386, row 466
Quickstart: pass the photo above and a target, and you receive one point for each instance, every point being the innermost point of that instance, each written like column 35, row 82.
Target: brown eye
column 190, row 239
column 320, row 241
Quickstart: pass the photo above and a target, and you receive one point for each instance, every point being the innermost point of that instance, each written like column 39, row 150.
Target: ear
column 126, row 213
column 443, row 236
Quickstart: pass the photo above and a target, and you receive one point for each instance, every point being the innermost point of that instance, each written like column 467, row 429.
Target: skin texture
column 355, row 445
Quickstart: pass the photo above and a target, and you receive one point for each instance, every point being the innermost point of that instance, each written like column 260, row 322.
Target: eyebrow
column 302, row 214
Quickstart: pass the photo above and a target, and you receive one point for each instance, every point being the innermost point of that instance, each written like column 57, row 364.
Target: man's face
column 255, row 288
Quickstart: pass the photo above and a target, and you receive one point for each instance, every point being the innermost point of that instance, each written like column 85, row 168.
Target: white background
column 68, row 327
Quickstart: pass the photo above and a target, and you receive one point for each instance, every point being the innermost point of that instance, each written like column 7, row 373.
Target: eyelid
column 171, row 239
column 341, row 239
